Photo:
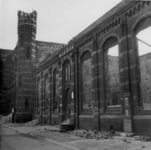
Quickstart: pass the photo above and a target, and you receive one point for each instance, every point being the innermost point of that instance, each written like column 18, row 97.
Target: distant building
column 82, row 81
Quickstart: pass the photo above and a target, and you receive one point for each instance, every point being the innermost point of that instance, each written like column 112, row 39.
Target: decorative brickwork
column 86, row 76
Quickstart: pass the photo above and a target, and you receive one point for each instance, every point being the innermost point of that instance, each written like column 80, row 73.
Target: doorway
column 67, row 108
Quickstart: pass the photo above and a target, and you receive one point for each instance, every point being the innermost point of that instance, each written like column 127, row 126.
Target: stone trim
column 142, row 117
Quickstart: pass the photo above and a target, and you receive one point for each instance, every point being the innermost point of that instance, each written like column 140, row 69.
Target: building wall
column 5, row 81
column 23, row 58
column 119, row 26
column 145, row 71
column 116, row 29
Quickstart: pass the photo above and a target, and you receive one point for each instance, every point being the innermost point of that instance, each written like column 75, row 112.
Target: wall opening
column 144, row 69
column 55, row 89
column 46, row 92
column 21, row 40
column 26, row 104
column 20, row 81
column 86, row 73
column 112, row 78
column 67, row 68
column 38, row 95
column 28, row 53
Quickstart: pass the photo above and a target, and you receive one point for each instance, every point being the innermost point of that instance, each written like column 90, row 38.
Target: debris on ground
column 125, row 140
column 6, row 119
column 32, row 123
column 143, row 139
column 89, row 134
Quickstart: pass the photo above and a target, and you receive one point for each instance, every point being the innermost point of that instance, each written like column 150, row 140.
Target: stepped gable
column 111, row 12
column 45, row 49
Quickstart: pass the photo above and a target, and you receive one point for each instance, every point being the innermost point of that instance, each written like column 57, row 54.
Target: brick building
column 97, row 80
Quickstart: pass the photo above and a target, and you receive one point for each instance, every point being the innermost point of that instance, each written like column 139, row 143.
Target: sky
column 57, row 21
column 144, row 43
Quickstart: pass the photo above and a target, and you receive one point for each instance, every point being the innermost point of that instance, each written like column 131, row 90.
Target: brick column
column 60, row 93
column 77, row 86
column 72, row 106
column 95, row 75
column 125, row 56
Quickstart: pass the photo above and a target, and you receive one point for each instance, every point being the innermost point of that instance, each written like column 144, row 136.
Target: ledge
column 142, row 117
column 54, row 115
column 112, row 116
column 86, row 116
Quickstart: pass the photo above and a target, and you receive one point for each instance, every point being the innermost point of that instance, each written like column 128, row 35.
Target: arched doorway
column 66, row 90
column 67, row 109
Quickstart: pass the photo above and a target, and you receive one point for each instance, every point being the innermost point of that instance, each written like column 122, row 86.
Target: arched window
column 67, row 72
column 38, row 94
column 111, row 69
column 20, row 81
column 86, row 73
column 21, row 40
column 143, row 34
column 46, row 92
column 55, row 89
column 28, row 53
column 26, row 104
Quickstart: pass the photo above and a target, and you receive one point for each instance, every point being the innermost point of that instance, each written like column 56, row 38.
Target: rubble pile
column 94, row 134
column 32, row 123
column 6, row 119
column 143, row 139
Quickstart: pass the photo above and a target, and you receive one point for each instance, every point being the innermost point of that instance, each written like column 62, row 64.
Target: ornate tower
column 25, row 53
column 27, row 25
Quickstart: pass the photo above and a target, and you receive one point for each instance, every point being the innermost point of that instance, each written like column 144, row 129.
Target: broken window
column 28, row 53
column 67, row 72
column 46, row 91
column 21, row 40
column 20, row 81
column 55, row 89
column 144, row 63
column 26, row 105
column 86, row 66
column 112, row 82
column 38, row 94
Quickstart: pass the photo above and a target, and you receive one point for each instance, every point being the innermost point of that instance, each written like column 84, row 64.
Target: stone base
column 45, row 120
column 128, row 126
column 117, row 121
column 22, row 117
column 55, row 120
column 96, row 121
column 72, row 119
column 61, row 117
column 66, row 127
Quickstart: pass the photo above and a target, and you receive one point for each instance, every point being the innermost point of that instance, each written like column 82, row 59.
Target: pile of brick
column 32, row 123
column 143, row 139
column 6, row 119
column 88, row 134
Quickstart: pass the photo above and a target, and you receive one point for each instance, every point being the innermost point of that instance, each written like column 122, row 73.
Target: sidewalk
column 51, row 133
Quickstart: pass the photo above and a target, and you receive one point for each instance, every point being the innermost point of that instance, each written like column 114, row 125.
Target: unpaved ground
column 112, row 143
column 14, row 140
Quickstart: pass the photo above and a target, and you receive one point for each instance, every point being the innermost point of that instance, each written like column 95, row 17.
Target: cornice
column 118, row 20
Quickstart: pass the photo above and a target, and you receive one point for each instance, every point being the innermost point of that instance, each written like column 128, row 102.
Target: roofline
column 50, row 42
column 102, row 19
column 6, row 49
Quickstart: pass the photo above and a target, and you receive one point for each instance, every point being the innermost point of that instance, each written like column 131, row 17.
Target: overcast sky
column 57, row 21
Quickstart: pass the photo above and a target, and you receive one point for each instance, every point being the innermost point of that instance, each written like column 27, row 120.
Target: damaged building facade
column 98, row 80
